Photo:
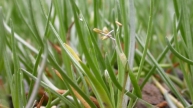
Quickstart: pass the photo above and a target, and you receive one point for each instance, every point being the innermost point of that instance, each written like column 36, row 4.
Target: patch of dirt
column 152, row 95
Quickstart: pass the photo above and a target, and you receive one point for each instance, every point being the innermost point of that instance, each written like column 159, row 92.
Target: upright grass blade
column 159, row 59
column 134, row 82
column 148, row 38
column 39, row 76
column 5, row 56
column 188, row 37
column 8, row 66
column 24, row 20
column 125, row 25
column 95, row 46
column 131, row 47
column 69, row 67
column 132, row 34
column 115, row 82
column 35, row 71
column 34, row 25
column 103, row 98
column 92, row 65
column 121, row 76
column 56, row 66
column 62, row 33
column 121, row 62
column 2, row 37
column 99, row 91
column 9, row 76
column 97, row 6
column 112, row 74
column 186, row 75
column 17, row 79
column 122, row 73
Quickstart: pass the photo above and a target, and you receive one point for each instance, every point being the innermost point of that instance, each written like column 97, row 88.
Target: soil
column 152, row 95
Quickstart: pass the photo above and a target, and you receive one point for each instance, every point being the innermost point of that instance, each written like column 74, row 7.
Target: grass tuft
column 95, row 53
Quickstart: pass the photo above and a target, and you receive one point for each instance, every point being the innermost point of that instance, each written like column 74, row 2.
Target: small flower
column 97, row 30
column 105, row 33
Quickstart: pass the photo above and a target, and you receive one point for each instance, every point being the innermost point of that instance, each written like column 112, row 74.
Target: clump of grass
column 93, row 53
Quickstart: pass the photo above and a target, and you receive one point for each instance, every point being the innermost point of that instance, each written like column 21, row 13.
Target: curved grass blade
column 177, row 54
column 186, row 76
column 187, row 37
column 165, row 77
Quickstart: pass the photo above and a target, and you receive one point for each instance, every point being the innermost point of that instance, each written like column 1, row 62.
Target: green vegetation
column 95, row 53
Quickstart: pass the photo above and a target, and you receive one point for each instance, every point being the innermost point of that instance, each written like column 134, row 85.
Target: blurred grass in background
column 84, row 53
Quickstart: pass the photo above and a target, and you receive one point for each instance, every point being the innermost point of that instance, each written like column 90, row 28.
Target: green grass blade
column 5, row 56
column 85, row 48
column 2, row 37
column 39, row 76
column 132, row 34
column 50, row 89
column 68, row 80
column 147, row 42
column 104, row 99
column 165, row 78
column 112, row 74
column 124, row 19
column 115, row 82
column 121, row 77
column 62, row 32
column 131, row 47
column 17, row 73
column 148, row 38
column 188, row 38
column 35, row 71
column 135, row 84
column 34, row 25
column 177, row 54
column 186, row 76
column 24, row 20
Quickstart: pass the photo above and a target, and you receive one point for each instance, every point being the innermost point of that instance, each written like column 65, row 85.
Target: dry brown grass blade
column 163, row 90
column 86, row 105
column 94, row 100
column 78, row 96
column 41, row 101
column 162, row 104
